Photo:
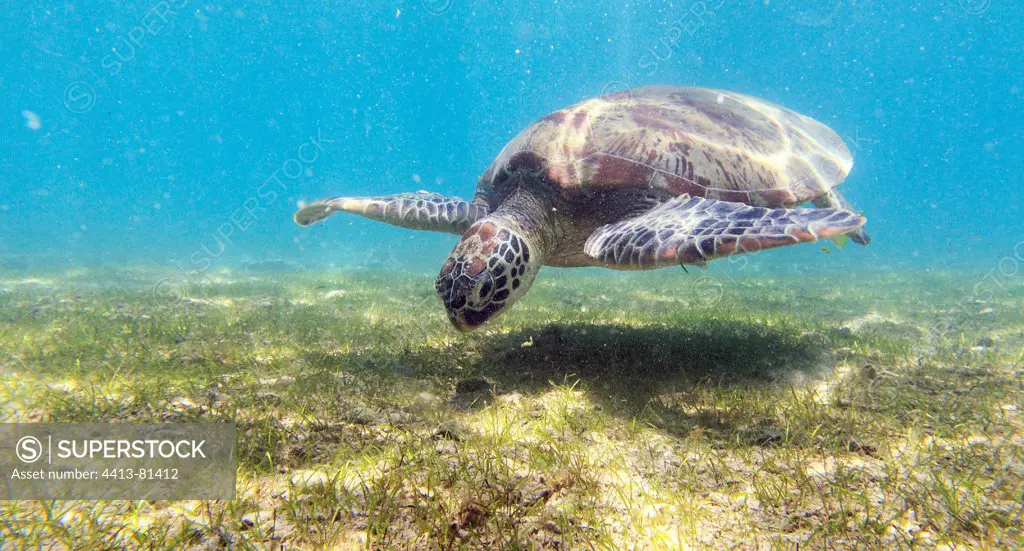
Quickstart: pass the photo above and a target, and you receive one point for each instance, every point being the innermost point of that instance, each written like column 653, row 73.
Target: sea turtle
column 640, row 179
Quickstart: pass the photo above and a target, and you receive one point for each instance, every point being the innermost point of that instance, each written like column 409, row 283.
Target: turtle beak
column 459, row 322
column 467, row 320
column 462, row 317
column 453, row 288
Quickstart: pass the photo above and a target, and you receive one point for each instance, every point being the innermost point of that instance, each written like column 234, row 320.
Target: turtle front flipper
column 694, row 230
column 835, row 200
column 420, row 210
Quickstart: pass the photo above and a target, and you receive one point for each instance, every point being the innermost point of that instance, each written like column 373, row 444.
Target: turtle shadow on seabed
column 634, row 364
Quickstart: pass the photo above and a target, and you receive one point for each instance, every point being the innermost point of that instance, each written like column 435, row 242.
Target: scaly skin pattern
column 489, row 269
column 695, row 230
column 419, row 211
column 835, row 200
column 497, row 259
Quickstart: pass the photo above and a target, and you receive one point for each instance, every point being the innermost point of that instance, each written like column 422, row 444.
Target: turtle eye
column 484, row 287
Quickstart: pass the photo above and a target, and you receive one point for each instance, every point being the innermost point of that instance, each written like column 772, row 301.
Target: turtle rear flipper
column 693, row 230
column 420, row 210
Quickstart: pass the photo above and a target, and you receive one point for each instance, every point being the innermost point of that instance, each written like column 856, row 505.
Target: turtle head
column 491, row 267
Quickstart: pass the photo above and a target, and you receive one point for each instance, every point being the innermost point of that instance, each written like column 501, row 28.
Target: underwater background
column 141, row 133
column 153, row 154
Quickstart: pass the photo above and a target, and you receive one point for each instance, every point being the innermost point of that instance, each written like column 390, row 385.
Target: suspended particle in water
column 32, row 120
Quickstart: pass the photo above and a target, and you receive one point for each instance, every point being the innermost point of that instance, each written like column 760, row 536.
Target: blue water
column 136, row 132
